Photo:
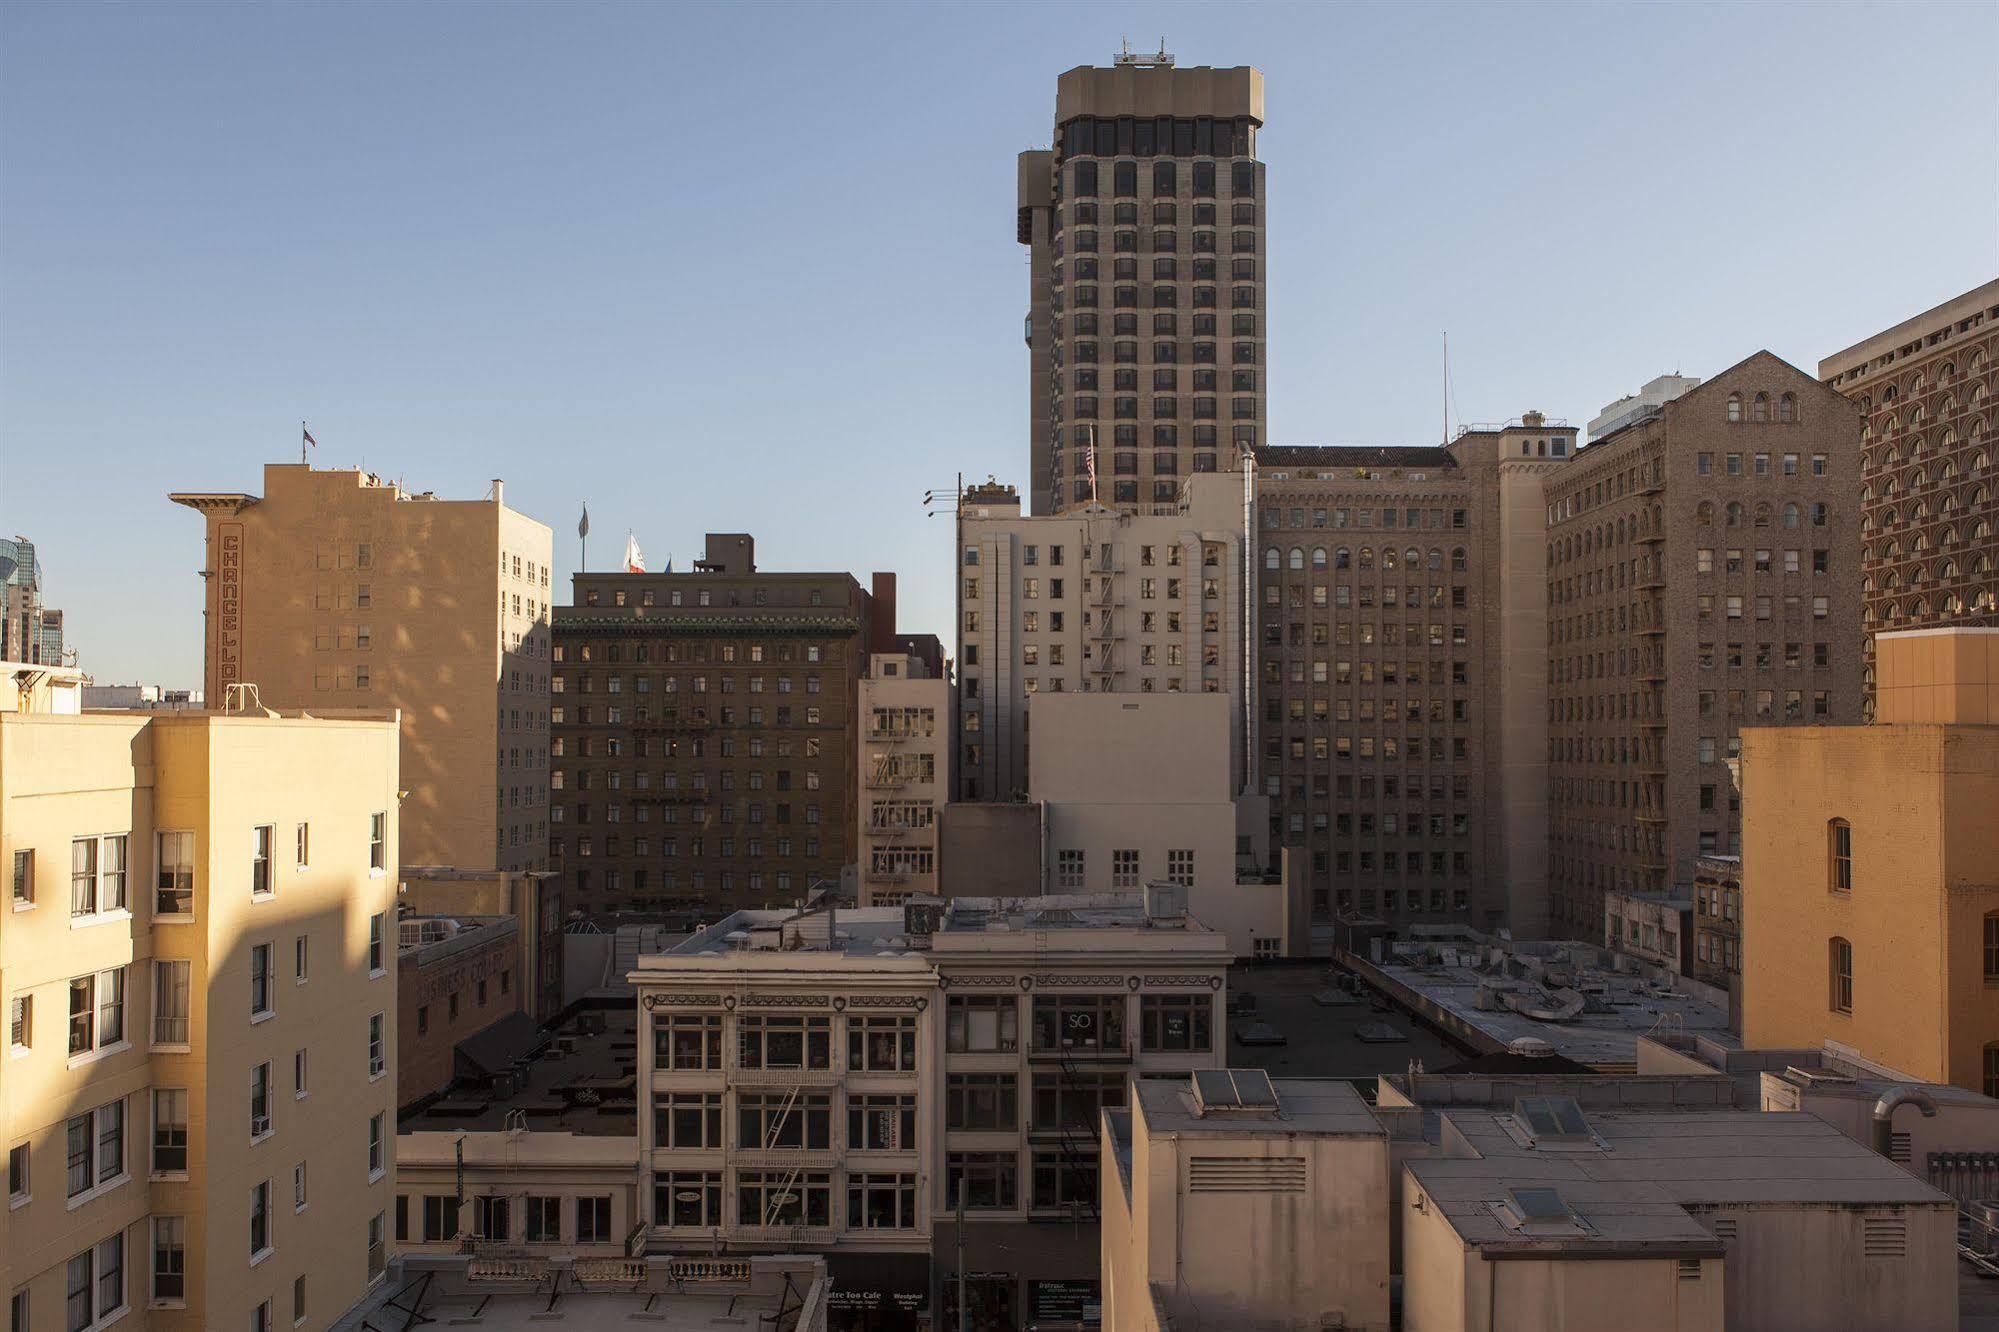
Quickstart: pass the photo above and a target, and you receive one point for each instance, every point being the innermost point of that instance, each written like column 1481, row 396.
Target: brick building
column 1703, row 576
column 703, row 731
column 1928, row 391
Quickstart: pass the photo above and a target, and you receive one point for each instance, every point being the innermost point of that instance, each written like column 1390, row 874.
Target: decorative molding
column 1181, row 981
column 912, row 1001
column 787, row 1001
column 670, row 999
column 979, row 982
column 1056, row 979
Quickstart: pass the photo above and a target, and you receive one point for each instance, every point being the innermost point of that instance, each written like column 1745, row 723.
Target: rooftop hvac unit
column 1165, row 902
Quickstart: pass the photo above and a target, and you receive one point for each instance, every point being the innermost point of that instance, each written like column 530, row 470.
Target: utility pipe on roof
column 1884, row 1113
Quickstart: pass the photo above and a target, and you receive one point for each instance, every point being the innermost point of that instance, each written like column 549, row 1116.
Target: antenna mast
column 1447, row 388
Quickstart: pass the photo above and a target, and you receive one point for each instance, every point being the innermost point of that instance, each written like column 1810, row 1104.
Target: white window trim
column 101, row 1052
column 96, row 918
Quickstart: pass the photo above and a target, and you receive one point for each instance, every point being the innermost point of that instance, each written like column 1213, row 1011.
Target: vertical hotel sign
column 228, row 605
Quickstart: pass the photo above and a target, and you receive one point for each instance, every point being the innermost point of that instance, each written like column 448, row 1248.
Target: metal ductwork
column 1884, row 1113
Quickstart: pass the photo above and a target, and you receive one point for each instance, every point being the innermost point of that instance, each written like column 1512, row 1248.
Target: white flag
column 634, row 562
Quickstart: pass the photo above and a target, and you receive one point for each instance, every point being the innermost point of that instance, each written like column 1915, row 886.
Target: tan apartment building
column 1871, row 863
column 1703, row 577
column 904, row 771
column 705, row 731
column 1400, row 644
column 1145, row 327
column 1928, row 392
column 1094, row 600
column 337, row 589
column 822, row 1082
column 199, row 1095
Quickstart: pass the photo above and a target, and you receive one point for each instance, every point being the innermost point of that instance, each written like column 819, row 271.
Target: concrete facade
column 1092, row 601
column 1871, row 910
column 903, row 727
column 1145, row 323
column 1703, row 577
column 199, row 1095
column 1401, row 641
column 1928, row 392
column 337, row 589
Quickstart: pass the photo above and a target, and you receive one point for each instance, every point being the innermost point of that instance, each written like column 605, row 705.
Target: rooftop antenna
column 1127, row 56
column 1447, row 387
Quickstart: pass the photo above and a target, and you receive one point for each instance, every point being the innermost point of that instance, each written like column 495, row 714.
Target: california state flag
column 634, row 562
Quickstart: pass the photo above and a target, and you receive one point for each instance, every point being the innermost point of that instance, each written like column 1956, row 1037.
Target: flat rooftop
column 674, row 1295
column 1324, row 1106
column 585, row 1081
column 1445, row 982
column 1632, row 1181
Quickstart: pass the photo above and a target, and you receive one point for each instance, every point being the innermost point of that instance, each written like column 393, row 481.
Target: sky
column 753, row 267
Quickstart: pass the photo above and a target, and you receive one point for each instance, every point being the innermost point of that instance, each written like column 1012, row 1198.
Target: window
column 688, row 1120
column 378, row 841
column 24, row 878
column 881, row 1044
column 97, row 875
column 689, row 1198
column 1992, row 947
column 784, row 1041
column 544, row 1220
column 19, row 1182
column 593, row 1220
column 170, row 1002
column 260, row 1220
column 377, row 1143
column 298, row 1292
column 376, row 954
column 981, row 1022
column 260, row 1100
column 1079, row 1023
column 260, row 981
column 881, row 1202
column 491, row 1217
column 298, row 1187
column 768, row 1121
column 95, row 1284
column 95, row 1146
column 1069, row 869
column 260, row 860
column 440, row 1218
column 169, row 1131
column 1176, row 1021
column 301, row 969
column 687, row 1041
column 173, row 893
column 785, row 1198
column 1063, row 1181
column 1180, row 868
column 1840, row 965
column 1124, row 869
column 96, row 1011
column 1839, row 835
column 170, row 1259
column 21, row 1022
column 982, row 1102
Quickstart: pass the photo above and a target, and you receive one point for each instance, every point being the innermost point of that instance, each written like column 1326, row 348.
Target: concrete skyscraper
column 1145, row 320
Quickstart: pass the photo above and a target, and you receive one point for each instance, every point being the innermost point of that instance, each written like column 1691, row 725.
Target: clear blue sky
column 753, row 267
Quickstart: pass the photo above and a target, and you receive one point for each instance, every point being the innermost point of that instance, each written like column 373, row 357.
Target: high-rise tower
column 1145, row 322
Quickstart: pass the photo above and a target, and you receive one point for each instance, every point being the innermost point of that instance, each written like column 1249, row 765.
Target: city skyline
column 405, row 334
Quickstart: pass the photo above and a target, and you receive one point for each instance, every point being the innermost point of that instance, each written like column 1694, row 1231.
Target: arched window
column 1760, row 409
column 1297, row 557
column 1458, row 559
column 1367, row 557
column 1787, row 407
column 1342, row 558
column 1763, row 515
column 1735, row 406
column 1436, row 561
column 1273, row 558
column 1790, row 515
column 1839, row 856
column 1412, row 558
column 1734, row 514
column 1318, row 557
column 1839, row 968
column 1704, row 515
column 1388, row 557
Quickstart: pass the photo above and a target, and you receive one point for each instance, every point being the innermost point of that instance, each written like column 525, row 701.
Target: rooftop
column 1327, row 1106
column 583, row 1080
column 1586, row 1002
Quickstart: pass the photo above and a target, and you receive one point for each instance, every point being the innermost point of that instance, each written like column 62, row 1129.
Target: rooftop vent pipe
column 1884, row 1113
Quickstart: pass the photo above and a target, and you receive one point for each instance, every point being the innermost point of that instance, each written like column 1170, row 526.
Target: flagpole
column 301, row 442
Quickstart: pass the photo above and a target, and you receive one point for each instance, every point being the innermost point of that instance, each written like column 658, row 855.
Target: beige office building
column 1703, row 577
column 1145, row 327
column 1928, row 392
column 338, row 589
column 904, row 729
column 823, row 1081
column 198, row 966
column 1401, row 728
column 1092, row 601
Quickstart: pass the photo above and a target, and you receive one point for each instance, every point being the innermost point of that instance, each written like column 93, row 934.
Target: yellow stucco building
column 337, row 589
column 198, row 1091
column 1871, row 870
